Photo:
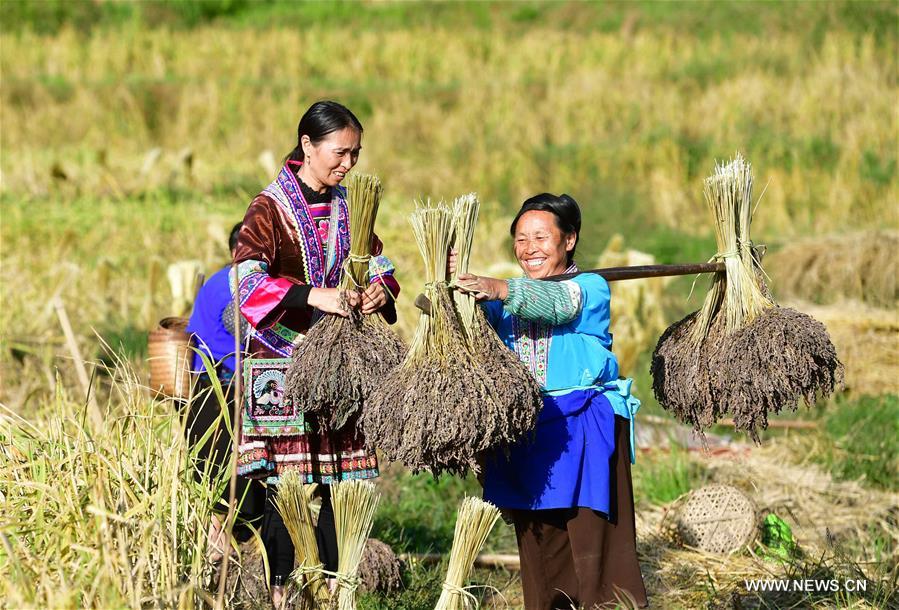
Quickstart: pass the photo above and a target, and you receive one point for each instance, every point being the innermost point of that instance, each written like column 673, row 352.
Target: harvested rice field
column 135, row 134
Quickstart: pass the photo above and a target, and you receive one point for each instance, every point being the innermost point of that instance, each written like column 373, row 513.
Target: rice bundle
column 514, row 402
column 741, row 353
column 420, row 415
column 473, row 524
column 341, row 360
column 354, row 505
column 292, row 502
column 460, row 392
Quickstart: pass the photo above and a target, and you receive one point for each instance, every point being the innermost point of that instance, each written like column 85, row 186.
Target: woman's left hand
column 483, row 288
column 373, row 299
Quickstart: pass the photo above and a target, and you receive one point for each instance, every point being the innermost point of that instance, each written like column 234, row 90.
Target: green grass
column 864, row 436
column 421, row 588
column 704, row 19
column 418, row 514
column 660, row 478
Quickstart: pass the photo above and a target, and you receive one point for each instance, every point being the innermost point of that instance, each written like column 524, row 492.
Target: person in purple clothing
column 212, row 324
column 568, row 488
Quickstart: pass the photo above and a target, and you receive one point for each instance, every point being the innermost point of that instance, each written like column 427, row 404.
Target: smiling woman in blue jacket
column 568, row 488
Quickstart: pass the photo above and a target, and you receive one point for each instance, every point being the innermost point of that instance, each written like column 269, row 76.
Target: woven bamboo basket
column 170, row 358
column 717, row 519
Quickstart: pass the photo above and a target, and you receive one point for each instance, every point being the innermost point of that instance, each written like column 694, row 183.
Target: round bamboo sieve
column 170, row 358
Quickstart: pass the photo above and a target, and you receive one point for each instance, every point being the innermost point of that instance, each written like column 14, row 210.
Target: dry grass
column 859, row 266
column 843, row 529
column 439, row 106
column 159, row 109
column 103, row 515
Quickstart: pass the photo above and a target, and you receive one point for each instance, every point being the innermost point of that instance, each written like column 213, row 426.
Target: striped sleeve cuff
column 552, row 303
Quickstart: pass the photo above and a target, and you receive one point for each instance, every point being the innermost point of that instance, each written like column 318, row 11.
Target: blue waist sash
column 618, row 393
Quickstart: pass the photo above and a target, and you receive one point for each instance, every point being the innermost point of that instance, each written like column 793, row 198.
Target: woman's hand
column 374, row 298
column 451, row 262
column 328, row 300
column 483, row 288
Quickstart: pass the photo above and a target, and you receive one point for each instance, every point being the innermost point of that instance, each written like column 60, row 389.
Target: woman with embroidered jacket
column 290, row 255
column 568, row 489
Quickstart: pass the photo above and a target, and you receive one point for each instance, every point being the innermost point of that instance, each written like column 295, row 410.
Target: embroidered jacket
column 279, row 246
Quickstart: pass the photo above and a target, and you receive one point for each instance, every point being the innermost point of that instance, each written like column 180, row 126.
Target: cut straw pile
column 460, row 392
column 341, row 360
column 860, row 266
column 836, row 524
column 741, row 353
column 474, row 522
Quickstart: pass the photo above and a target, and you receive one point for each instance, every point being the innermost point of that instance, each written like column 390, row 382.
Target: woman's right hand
column 328, row 300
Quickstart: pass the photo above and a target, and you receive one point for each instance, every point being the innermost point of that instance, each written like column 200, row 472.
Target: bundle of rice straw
column 293, row 503
column 421, row 414
column 354, row 505
column 473, row 524
column 512, row 405
column 460, row 392
column 741, row 353
column 341, row 360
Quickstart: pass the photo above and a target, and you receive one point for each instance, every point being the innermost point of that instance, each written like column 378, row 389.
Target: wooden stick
column 638, row 272
column 786, row 424
column 236, row 412
column 485, row 560
column 616, row 274
column 80, row 369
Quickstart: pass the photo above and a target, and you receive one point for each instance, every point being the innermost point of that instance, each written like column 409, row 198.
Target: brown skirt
column 578, row 557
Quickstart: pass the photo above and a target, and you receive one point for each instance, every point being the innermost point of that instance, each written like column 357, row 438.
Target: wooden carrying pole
column 639, row 272
column 616, row 274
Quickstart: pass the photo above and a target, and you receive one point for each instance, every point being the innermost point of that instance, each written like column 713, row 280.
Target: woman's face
column 329, row 161
column 540, row 246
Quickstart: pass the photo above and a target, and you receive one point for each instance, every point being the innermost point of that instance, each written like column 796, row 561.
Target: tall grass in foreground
column 104, row 516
